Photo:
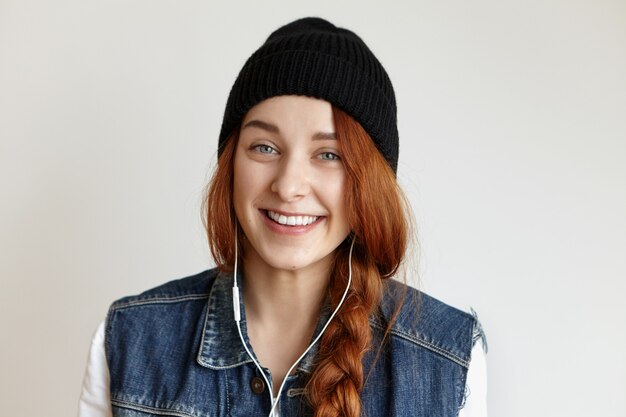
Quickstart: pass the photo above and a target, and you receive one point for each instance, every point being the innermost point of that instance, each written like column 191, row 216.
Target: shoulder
column 163, row 321
column 175, row 307
column 194, row 287
column 428, row 323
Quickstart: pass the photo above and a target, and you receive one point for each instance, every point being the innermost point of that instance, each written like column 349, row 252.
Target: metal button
column 257, row 384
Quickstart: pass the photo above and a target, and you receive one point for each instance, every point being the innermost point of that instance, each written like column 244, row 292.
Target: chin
column 289, row 263
column 291, row 260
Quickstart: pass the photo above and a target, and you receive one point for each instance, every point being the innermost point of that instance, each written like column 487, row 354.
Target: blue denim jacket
column 175, row 351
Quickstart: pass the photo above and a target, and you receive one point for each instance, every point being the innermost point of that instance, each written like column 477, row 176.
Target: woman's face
column 289, row 183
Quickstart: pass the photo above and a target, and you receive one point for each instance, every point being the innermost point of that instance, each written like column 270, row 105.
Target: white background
column 512, row 119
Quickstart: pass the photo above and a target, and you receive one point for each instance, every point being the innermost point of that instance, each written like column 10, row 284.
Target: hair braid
column 335, row 389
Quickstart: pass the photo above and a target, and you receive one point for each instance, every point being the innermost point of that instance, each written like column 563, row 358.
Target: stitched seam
column 159, row 300
column 206, row 319
column 434, row 348
column 107, row 337
column 227, row 394
column 292, row 392
column 147, row 409
column 426, row 345
column 216, row 367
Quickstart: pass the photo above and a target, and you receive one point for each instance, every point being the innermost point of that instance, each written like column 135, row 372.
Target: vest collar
column 221, row 347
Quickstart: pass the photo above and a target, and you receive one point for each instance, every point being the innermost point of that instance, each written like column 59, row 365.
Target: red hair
column 378, row 216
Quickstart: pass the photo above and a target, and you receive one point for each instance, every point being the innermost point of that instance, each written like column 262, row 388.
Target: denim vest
column 175, row 351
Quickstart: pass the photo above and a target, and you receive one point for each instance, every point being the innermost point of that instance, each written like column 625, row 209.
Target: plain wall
column 512, row 119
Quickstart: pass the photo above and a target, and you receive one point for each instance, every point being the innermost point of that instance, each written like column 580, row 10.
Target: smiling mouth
column 290, row 220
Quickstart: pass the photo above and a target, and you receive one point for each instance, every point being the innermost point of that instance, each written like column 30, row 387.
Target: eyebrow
column 274, row 129
column 262, row 125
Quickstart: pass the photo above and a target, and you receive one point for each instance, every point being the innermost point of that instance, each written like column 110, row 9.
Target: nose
column 292, row 180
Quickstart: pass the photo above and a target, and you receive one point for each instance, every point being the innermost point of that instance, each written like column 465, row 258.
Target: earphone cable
column 237, row 312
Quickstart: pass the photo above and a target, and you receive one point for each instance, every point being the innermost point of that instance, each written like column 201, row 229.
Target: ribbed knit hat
column 313, row 57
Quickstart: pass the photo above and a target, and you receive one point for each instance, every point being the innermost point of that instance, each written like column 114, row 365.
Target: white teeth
column 291, row 220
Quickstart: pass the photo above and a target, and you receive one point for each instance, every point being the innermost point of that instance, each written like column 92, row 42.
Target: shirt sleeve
column 95, row 397
column 476, row 385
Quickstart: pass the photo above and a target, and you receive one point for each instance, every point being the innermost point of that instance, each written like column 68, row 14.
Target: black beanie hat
column 313, row 57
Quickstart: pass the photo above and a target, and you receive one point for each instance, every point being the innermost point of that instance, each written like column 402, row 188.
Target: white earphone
column 237, row 311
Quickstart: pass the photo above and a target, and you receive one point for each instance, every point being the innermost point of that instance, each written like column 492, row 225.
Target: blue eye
column 266, row 149
column 329, row 156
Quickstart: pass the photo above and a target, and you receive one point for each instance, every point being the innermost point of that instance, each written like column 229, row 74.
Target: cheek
column 241, row 185
column 248, row 185
column 335, row 195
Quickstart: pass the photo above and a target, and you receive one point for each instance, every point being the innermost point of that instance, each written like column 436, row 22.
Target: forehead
column 290, row 113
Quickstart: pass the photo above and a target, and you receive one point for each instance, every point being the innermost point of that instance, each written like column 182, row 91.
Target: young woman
column 307, row 225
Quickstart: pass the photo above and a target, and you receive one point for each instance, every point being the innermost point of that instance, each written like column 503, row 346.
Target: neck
column 282, row 310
